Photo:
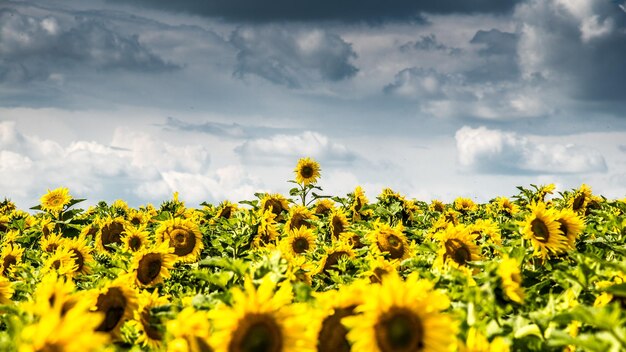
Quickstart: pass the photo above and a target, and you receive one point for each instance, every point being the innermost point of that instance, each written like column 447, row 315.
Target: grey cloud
column 291, row 56
column 419, row 83
column 581, row 50
column 622, row 147
column 486, row 151
column 39, row 48
column 498, row 56
column 225, row 130
column 429, row 43
column 371, row 11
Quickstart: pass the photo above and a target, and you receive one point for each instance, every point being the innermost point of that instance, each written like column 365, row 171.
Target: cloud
column 419, row 83
column 292, row 56
column 498, row 52
column 429, row 43
column 482, row 150
column 225, row 130
column 578, row 47
column 371, row 11
column 292, row 147
column 136, row 166
column 48, row 48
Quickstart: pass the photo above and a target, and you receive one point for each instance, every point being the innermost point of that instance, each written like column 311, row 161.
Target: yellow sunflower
column 332, row 255
column 75, row 331
column 53, row 295
column 505, row 206
column 307, row 171
column 226, row 210
column 54, row 201
column 570, row 225
column 511, row 279
column 464, row 205
column 457, row 247
column 138, row 217
column 6, row 291
column 331, row 307
column 299, row 269
column 110, row 232
column 379, row 267
column 402, row 316
column 6, row 206
column 437, row 206
column 135, row 238
column 579, row 200
column 190, row 331
column 391, row 240
column 276, row 203
column 61, row 261
column 184, row 236
column 298, row 242
column 116, row 301
column 324, row 206
column 477, row 342
column 358, row 202
column 10, row 257
column 261, row 320
column 299, row 216
column 543, row 230
column 151, row 265
column 353, row 239
column 266, row 230
column 487, row 230
column 338, row 222
column 50, row 243
column 149, row 326
column 81, row 252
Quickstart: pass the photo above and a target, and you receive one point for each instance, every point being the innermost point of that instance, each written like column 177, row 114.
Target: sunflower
column 276, row 203
column 511, row 279
column 6, row 291
column 543, row 191
column 332, row 307
column 110, row 232
column 458, row 246
column 298, row 241
column 379, row 267
column 4, row 223
column 338, row 223
column 391, row 240
column 487, row 230
column 54, row 201
column 324, row 206
column 261, row 320
column 6, row 206
column 61, row 262
column 477, row 342
column 579, row 200
column 299, row 269
column 437, row 206
column 332, row 255
column 402, row 316
column 53, row 295
column 149, row 326
column 151, row 265
column 266, row 230
column 464, row 205
column 116, row 301
column 307, row 171
column 299, row 216
column 570, row 225
column 137, row 217
column 542, row 229
column 190, row 330
column 184, row 236
column 81, row 252
column 51, row 243
column 135, row 238
column 226, row 210
column 359, row 200
column 505, row 206
column 75, row 331
column 10, row 257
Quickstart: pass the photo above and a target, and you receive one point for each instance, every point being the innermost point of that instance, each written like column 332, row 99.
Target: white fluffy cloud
column 284, row 146
column 136, row 166
column 492, row 151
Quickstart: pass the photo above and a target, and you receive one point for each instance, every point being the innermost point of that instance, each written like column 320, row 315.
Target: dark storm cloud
column 583, row 50
column 36, row 48
column 292, row 57
column 498, row 56
column 225, row 130
column 419, row 83
column 373, row 11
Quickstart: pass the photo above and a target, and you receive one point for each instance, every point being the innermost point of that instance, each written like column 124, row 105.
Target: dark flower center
column 399, row 329
column 257, row 333
column 183, row 241
column 112, row 304
column 540, row 230
column 332, row 335
column 458, row 251
column 300, row 245
column 111, row 233
column 149, row 268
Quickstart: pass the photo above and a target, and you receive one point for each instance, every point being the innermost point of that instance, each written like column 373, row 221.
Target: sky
column 217, row 100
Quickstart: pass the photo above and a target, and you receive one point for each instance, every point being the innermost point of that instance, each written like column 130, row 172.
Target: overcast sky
column 219, row 99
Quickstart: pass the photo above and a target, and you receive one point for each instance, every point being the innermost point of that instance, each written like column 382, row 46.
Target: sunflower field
column 539, row 271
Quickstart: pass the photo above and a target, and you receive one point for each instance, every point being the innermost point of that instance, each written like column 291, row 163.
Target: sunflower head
column 299, row 241
column 151, row 332
column 324, row 206
column 511, row 279
column 226, row 210
column 184, row 236
column 333, row 254
column 110, row 231
column 276, row 203
column 379, row 267
column 486, row 230
column 299, row 216
column 581, row 197
column 437, row 206
column 151, row 265
column 402, row 316
column 543, row 230
column 389, row 240
column 81, row 252
column 61, row 261
column 570, row 224
column 464, row 205
column 307, row 171
column 10, row 257
column 266, row 230
column 458, row 246
column 116, row 302
column 6, row 291
column 190, row 329
column 135, row 238
column 56, row 200
column 359, row 200
column 338, row 222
